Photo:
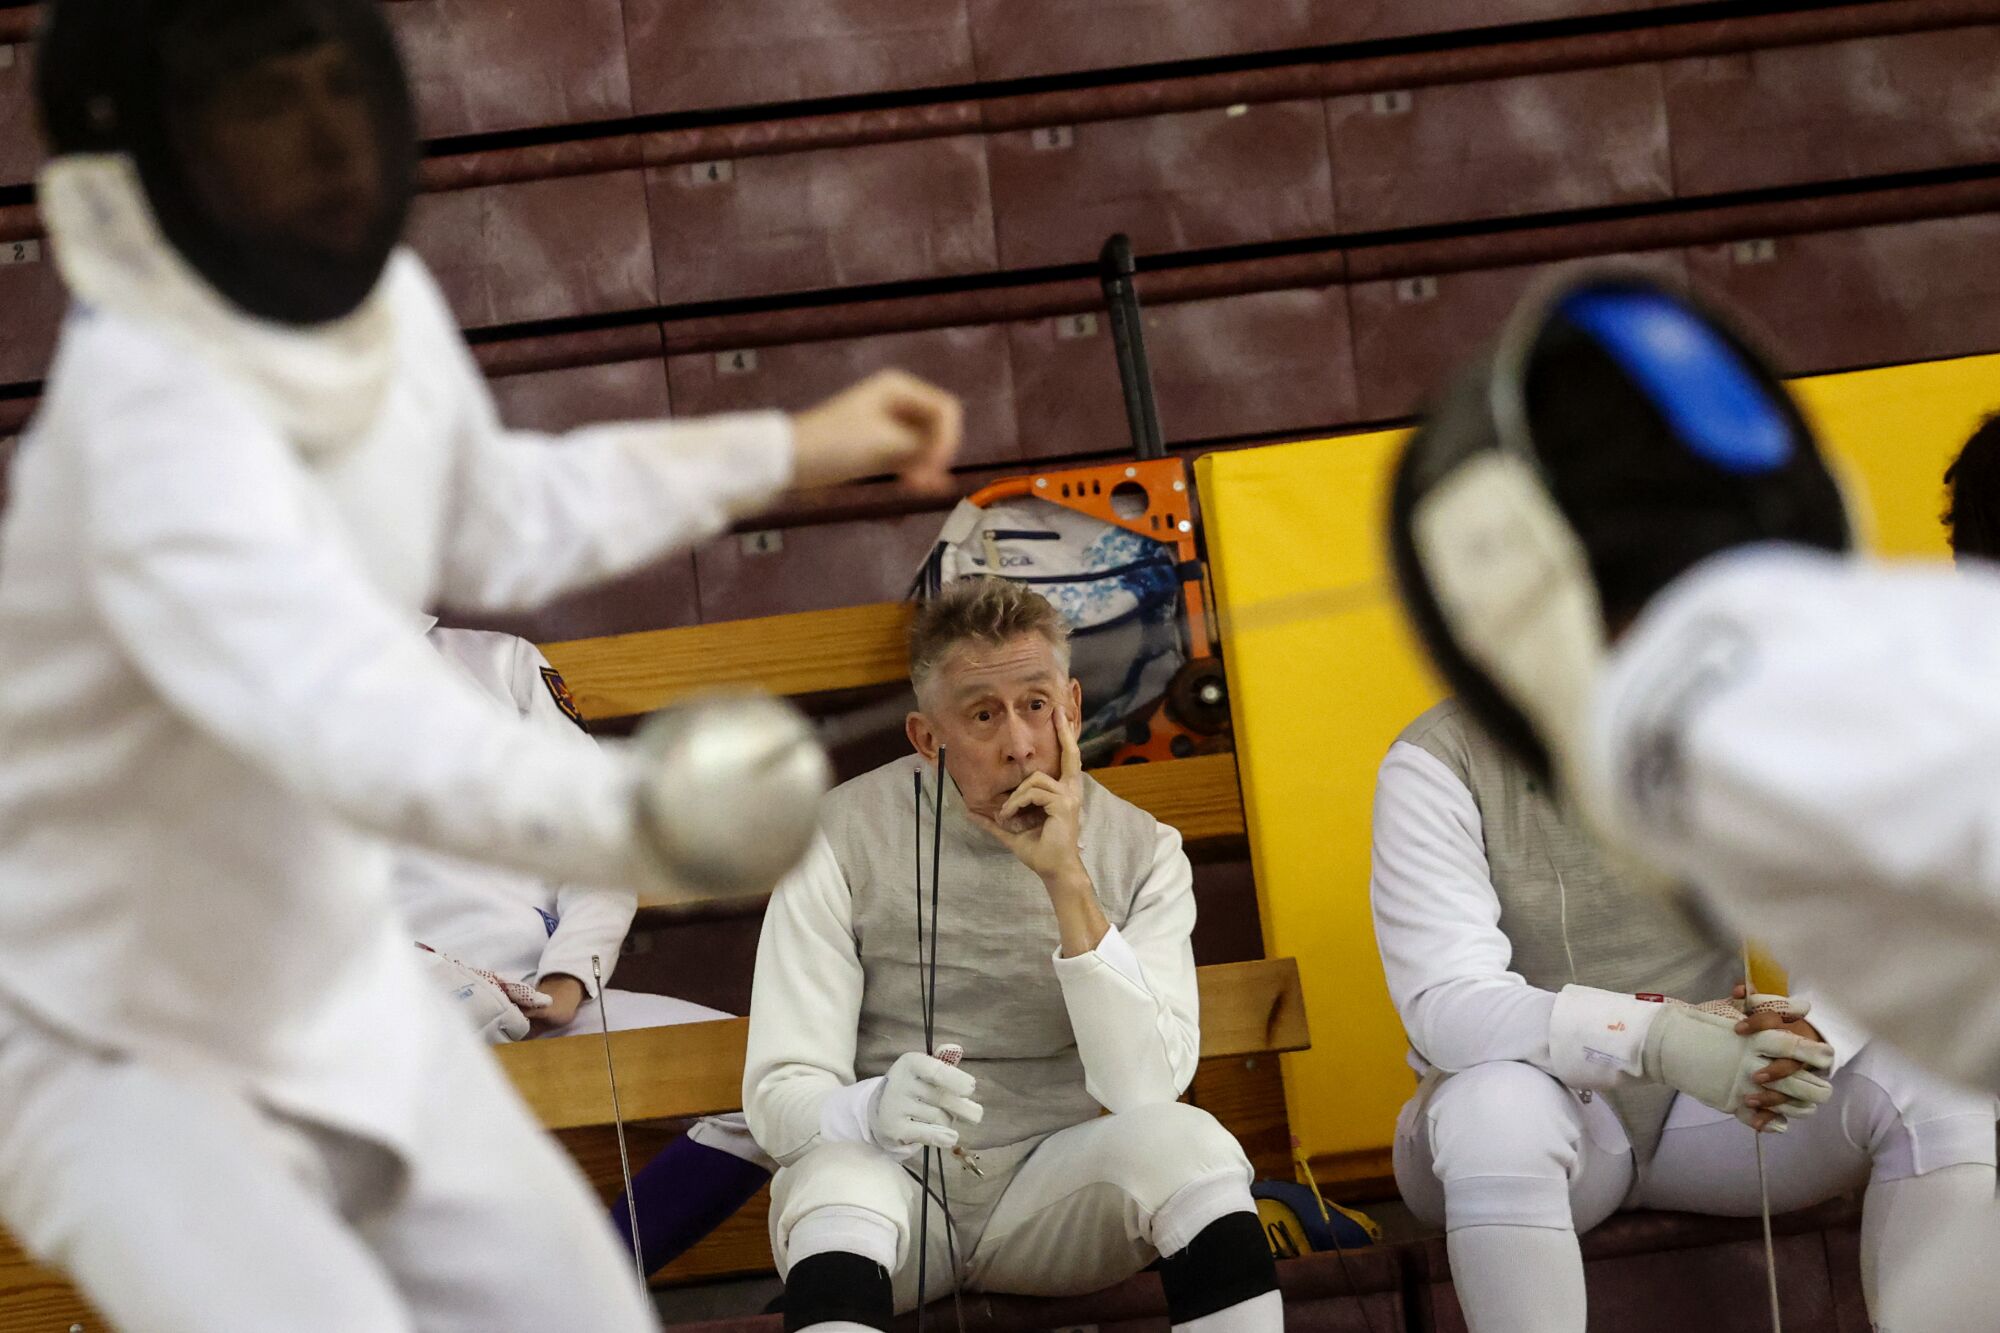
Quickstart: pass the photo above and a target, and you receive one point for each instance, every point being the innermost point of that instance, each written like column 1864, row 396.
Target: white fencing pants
column 1088, row 1207
column 180, row 1206
column 1504, row 1145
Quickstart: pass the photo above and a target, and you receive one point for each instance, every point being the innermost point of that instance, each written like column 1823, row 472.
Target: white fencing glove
column 729, row 797
column 1697, row 1050
column 1603, row 1040
column 918, row 1102
column 497, row 1009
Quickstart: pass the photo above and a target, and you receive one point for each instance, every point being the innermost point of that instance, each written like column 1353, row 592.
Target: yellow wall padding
column 1323, row 674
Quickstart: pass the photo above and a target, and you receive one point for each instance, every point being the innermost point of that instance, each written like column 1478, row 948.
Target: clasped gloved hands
column 1739, row 1055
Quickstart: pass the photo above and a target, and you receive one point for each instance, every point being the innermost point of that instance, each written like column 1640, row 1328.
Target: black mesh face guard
column 141, row 77
column 1643, row 505
column 1457, row 429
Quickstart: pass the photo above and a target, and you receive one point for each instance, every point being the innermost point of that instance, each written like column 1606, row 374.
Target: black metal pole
column 1128, row 340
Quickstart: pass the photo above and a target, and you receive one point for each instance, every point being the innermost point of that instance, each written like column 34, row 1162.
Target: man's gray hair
column 987, row 611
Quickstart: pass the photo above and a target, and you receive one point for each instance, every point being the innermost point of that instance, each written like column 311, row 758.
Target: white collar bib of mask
column 322, row 386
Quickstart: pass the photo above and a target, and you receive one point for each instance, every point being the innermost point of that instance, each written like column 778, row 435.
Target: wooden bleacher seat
column 696, row 1069
column 1653, row 1269
column 1649, row 1271
column 1249, row 1012
column 860, row 647
column 701, row 1066
column 816, row 652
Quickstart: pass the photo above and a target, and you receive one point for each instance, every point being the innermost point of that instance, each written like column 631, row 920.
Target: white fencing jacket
column 1815, row 743
column 215, row 716
column 1131, row 1006
column 520, row 925
column 1448, row 963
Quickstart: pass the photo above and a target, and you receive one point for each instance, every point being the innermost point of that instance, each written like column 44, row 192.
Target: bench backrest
column 697, row 1068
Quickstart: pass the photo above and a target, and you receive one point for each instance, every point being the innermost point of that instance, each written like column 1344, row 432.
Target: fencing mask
column 274, row 139
column 1616, row 435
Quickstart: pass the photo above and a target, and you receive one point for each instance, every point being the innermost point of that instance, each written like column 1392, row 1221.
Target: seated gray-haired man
column 1064, row 972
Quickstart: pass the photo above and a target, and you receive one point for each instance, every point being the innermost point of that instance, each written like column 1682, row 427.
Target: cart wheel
column 1198, row 698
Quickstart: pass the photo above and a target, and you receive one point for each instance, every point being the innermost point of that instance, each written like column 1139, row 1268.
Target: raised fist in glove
column 919, row 1102
column 1701, row 1052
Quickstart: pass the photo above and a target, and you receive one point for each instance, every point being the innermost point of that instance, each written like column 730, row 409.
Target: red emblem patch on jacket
column 559, row 690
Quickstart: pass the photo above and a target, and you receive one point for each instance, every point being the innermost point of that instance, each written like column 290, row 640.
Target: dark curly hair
column 1972, row 495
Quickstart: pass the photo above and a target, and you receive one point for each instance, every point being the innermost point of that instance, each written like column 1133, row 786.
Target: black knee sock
column 838, row 1285
column 1228, row 1263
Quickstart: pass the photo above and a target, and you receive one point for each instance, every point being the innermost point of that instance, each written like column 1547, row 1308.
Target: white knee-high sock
column 1908, row 1228
column 1518, row 1279
column 1259, row 1314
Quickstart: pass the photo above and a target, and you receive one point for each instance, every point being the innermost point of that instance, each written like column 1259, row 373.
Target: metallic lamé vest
column 997, row 993
column 1560, row 899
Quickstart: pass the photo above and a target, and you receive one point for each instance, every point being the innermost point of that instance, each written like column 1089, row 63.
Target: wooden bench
column 863, row 647
column 806, row 653
column 1646, row 1273
column 1250, row 1012
column 816, row 652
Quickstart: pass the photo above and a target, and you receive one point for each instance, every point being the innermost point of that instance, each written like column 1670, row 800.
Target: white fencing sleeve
column 1811, row 742
column 590, row 922
column 1835, row 1028
column 536, row 516
column 213, row 562
column 1437, row 923
column 805, row 1011
column 1133, row 1002
column 1749, row 730
column 1597, row 1038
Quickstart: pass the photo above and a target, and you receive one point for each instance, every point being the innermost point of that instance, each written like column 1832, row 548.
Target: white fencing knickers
column 1504, row 1145
column 1072, row 1213
column 182, row 1206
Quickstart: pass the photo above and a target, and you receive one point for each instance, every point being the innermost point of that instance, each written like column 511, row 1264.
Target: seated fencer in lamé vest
column 1556, row 1088
column 1064, row 971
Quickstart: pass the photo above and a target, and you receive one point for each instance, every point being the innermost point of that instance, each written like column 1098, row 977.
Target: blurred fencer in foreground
column 1619, row 541
column 228, row 1100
